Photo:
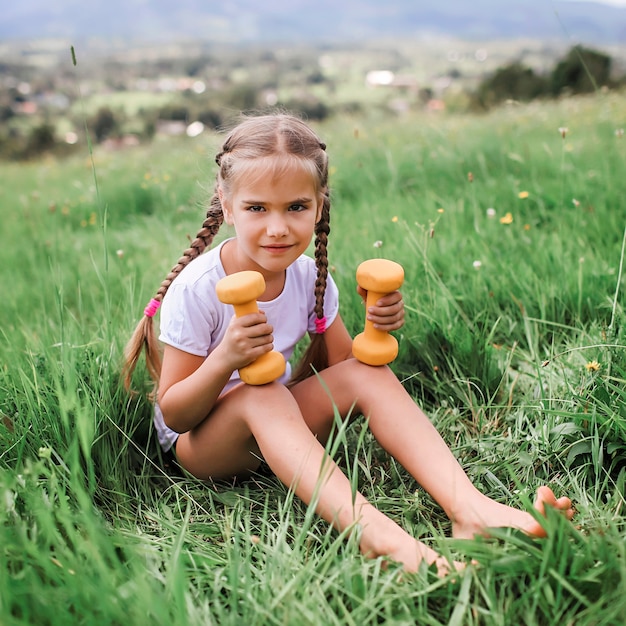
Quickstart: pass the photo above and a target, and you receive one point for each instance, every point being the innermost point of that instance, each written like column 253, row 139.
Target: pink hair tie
column 320, row 325
column 152, row 308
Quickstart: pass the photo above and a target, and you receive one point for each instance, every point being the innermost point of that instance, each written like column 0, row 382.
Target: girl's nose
column 277, row 226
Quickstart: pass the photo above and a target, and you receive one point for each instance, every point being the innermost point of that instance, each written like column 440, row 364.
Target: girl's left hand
column 388, row 312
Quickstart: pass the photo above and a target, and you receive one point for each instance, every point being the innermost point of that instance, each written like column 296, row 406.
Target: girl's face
column 274, row 219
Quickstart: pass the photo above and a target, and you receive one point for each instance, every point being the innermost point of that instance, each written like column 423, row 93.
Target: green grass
column 505, row 323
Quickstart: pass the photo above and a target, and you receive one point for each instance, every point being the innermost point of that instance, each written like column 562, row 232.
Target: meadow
column 511, row 230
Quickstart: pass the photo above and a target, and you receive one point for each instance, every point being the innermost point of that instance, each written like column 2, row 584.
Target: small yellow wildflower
column 523, row 194
column 592, row 366
column 507, row 219
column 394, row 218
column 526, row 226
column 439, row 210
column 147, row 176
column 470, row 177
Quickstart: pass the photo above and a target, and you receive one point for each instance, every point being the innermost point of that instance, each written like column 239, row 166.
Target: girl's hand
column 388, row 313
column 246, row 339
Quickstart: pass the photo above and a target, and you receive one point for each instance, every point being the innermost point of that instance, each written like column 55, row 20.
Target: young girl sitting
column 272, row 186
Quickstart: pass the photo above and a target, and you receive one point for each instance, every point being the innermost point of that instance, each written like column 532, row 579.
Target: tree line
column 582, row 70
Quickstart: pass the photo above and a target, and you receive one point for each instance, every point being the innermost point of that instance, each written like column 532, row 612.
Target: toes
column 564, row 504
column 443, row 566
column 545, row 496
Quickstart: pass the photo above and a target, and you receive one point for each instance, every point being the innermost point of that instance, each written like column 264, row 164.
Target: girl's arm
column 338, row 342
column 190, row 385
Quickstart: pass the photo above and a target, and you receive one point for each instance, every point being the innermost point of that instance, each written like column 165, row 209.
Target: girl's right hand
column 246, row 339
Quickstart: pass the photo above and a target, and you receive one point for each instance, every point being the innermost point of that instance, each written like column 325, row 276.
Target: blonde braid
column 203, row 240
column 322, row 229
column 144, row 338
column 315, row 359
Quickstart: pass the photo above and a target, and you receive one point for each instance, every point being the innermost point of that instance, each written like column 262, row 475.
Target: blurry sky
column 615, row 3
column 248, row 20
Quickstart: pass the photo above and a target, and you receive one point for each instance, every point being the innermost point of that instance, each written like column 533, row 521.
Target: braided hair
column 254, row 137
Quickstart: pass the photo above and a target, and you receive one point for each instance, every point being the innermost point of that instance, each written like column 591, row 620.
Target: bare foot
column 485, row 513
column 396, row 544
column 411, row 557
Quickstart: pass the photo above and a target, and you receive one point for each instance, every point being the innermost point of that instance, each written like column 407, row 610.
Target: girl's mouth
column 276, row 249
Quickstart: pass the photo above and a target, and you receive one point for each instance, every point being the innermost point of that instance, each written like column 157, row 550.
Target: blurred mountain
column 237, row 21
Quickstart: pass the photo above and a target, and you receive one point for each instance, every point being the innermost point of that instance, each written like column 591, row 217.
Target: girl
column 272, row 186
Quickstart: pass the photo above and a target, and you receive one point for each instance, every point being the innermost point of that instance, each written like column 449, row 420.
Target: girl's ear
column 228, row 214
column 320, row 205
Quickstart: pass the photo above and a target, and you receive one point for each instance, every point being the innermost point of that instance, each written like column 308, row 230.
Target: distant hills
column 237, row 21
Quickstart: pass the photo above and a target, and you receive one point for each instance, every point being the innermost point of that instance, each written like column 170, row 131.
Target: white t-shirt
column 195, row 321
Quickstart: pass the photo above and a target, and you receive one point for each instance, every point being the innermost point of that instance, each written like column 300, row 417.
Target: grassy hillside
column 511, row 230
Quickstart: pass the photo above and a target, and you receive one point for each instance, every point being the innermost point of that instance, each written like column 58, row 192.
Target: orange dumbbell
column 378, row 277
column 241, row 290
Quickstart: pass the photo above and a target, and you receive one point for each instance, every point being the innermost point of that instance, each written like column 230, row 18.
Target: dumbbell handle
column 378, row 277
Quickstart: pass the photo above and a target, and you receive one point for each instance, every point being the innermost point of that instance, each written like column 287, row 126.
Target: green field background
column 510, row 227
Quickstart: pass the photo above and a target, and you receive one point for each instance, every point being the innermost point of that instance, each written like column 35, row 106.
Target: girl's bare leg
column 408, row 435
column 267, row 420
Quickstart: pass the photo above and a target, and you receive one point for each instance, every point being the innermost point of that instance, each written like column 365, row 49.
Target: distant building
column 387, row 78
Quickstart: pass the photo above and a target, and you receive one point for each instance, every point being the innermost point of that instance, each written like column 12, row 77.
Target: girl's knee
column 360, row 374
column 266, row 399
column 270, row 391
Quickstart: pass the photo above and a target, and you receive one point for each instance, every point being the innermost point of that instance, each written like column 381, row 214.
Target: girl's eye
column 297, row 207
column 256, row 209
